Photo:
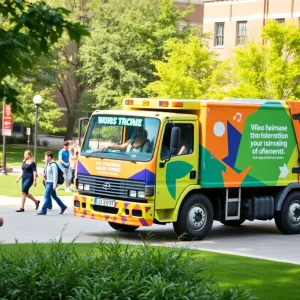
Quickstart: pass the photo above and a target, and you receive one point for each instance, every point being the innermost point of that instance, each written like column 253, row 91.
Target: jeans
column 50, row 203
column 50, row 192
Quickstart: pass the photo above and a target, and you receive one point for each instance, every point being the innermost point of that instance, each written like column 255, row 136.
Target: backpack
column 60, row 174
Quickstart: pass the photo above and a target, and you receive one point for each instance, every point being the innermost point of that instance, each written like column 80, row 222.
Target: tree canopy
column 29, row 29
column 48, row 112
column 59, row 68
column 265, row 71
column 125, row 37
column 185, row 71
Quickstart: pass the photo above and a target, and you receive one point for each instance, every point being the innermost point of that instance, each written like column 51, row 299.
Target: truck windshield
column 121, row 137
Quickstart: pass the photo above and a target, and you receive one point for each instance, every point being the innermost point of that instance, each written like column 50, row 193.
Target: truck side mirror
column 175, row 140
column 81, row 121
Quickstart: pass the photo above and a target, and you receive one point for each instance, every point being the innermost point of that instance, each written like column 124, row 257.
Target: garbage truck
column 190, row 163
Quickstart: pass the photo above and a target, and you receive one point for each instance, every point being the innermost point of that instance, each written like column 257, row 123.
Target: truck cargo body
column 240, row 162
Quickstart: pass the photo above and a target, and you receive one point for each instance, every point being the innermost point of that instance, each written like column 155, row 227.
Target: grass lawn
column 9, row 187
column 14, row 157
column 15, row 154
column 267, row 280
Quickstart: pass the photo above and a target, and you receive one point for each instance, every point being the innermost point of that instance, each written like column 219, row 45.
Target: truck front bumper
column 127, row 213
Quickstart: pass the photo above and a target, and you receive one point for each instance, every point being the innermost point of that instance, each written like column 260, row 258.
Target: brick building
column 233, row 22
column 196, row 17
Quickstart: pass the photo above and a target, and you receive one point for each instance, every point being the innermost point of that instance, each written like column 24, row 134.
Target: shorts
column 26, row 185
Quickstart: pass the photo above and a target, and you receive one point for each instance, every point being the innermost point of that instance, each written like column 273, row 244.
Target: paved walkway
column 258, row 239
column 54, row 141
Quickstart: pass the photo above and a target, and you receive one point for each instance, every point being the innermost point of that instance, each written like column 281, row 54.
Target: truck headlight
column 141, row 194
column 132, row 193
column 86, row 187
column 80, row 186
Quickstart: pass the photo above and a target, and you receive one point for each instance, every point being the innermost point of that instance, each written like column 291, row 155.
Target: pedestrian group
column 67, row 163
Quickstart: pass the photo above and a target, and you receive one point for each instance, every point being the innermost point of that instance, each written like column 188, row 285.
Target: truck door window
column 186, row 139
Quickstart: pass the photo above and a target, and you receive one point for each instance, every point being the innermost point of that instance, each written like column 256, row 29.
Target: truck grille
column 111, row 188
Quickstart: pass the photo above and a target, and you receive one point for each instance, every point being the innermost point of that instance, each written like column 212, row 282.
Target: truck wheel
column 288, row 219
column 123, row 227
column 233, row 222
column 195, row 218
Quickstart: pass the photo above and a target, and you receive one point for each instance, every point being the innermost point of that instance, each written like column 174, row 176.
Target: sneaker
column 40, row 214
column 63, row 210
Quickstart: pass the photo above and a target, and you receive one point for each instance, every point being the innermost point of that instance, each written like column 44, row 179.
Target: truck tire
column 123, row 227
column 195, row 218
column 233, row 222
column 287, row 219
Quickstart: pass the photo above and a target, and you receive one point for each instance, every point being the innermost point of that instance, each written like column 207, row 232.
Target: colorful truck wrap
column 190, row 162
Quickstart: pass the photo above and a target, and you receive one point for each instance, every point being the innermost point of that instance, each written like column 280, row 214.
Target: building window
column 219, row 41
column 279, row 21
column 241, row 32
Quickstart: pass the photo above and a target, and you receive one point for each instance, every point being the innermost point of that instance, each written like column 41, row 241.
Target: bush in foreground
column 110, row 271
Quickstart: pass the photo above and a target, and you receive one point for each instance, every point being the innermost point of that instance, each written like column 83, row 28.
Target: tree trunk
column 70, row 127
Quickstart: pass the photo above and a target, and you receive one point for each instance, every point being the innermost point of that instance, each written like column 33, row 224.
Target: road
column 254, row 239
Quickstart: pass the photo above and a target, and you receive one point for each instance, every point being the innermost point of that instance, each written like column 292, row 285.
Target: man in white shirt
column 51, row 184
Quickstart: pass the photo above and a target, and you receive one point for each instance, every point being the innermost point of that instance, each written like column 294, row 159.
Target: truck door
column 176, row 173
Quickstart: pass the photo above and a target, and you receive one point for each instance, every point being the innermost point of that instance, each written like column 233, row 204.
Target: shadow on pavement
column 218, row 233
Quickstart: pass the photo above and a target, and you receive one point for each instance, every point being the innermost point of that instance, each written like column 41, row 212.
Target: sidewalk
column 259, row 239
column 55, row 142
column 16, row 201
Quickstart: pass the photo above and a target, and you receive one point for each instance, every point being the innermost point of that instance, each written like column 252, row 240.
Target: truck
column 190, row 163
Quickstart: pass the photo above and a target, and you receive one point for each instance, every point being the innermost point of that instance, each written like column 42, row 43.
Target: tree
column 48, row 112
column 265, row 71
column 59, row 69
column 186, row 70
column 29, row 28
column 125, row 37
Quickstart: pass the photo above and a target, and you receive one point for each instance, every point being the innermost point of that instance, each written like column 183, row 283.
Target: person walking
column 74, row 153
column 50, row 185
column 1, row 222
column 64, row 164
column 28, row 175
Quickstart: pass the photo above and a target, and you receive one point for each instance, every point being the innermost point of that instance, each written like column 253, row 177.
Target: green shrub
column 21, row 140
column 10, row 139
column 15, row 140
column 112, row 271
column 45, row 143
column 58, row 131
column 61, row 131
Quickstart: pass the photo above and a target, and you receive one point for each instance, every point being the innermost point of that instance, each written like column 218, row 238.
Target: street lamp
column 37, row 100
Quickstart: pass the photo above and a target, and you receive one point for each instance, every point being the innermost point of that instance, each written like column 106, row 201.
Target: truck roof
column 147, row 113
column 194, row 104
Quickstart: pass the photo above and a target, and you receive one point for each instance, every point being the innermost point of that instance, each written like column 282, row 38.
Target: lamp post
column 37, row 100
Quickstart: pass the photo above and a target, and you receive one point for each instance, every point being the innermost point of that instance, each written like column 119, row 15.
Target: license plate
column 104, row 202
